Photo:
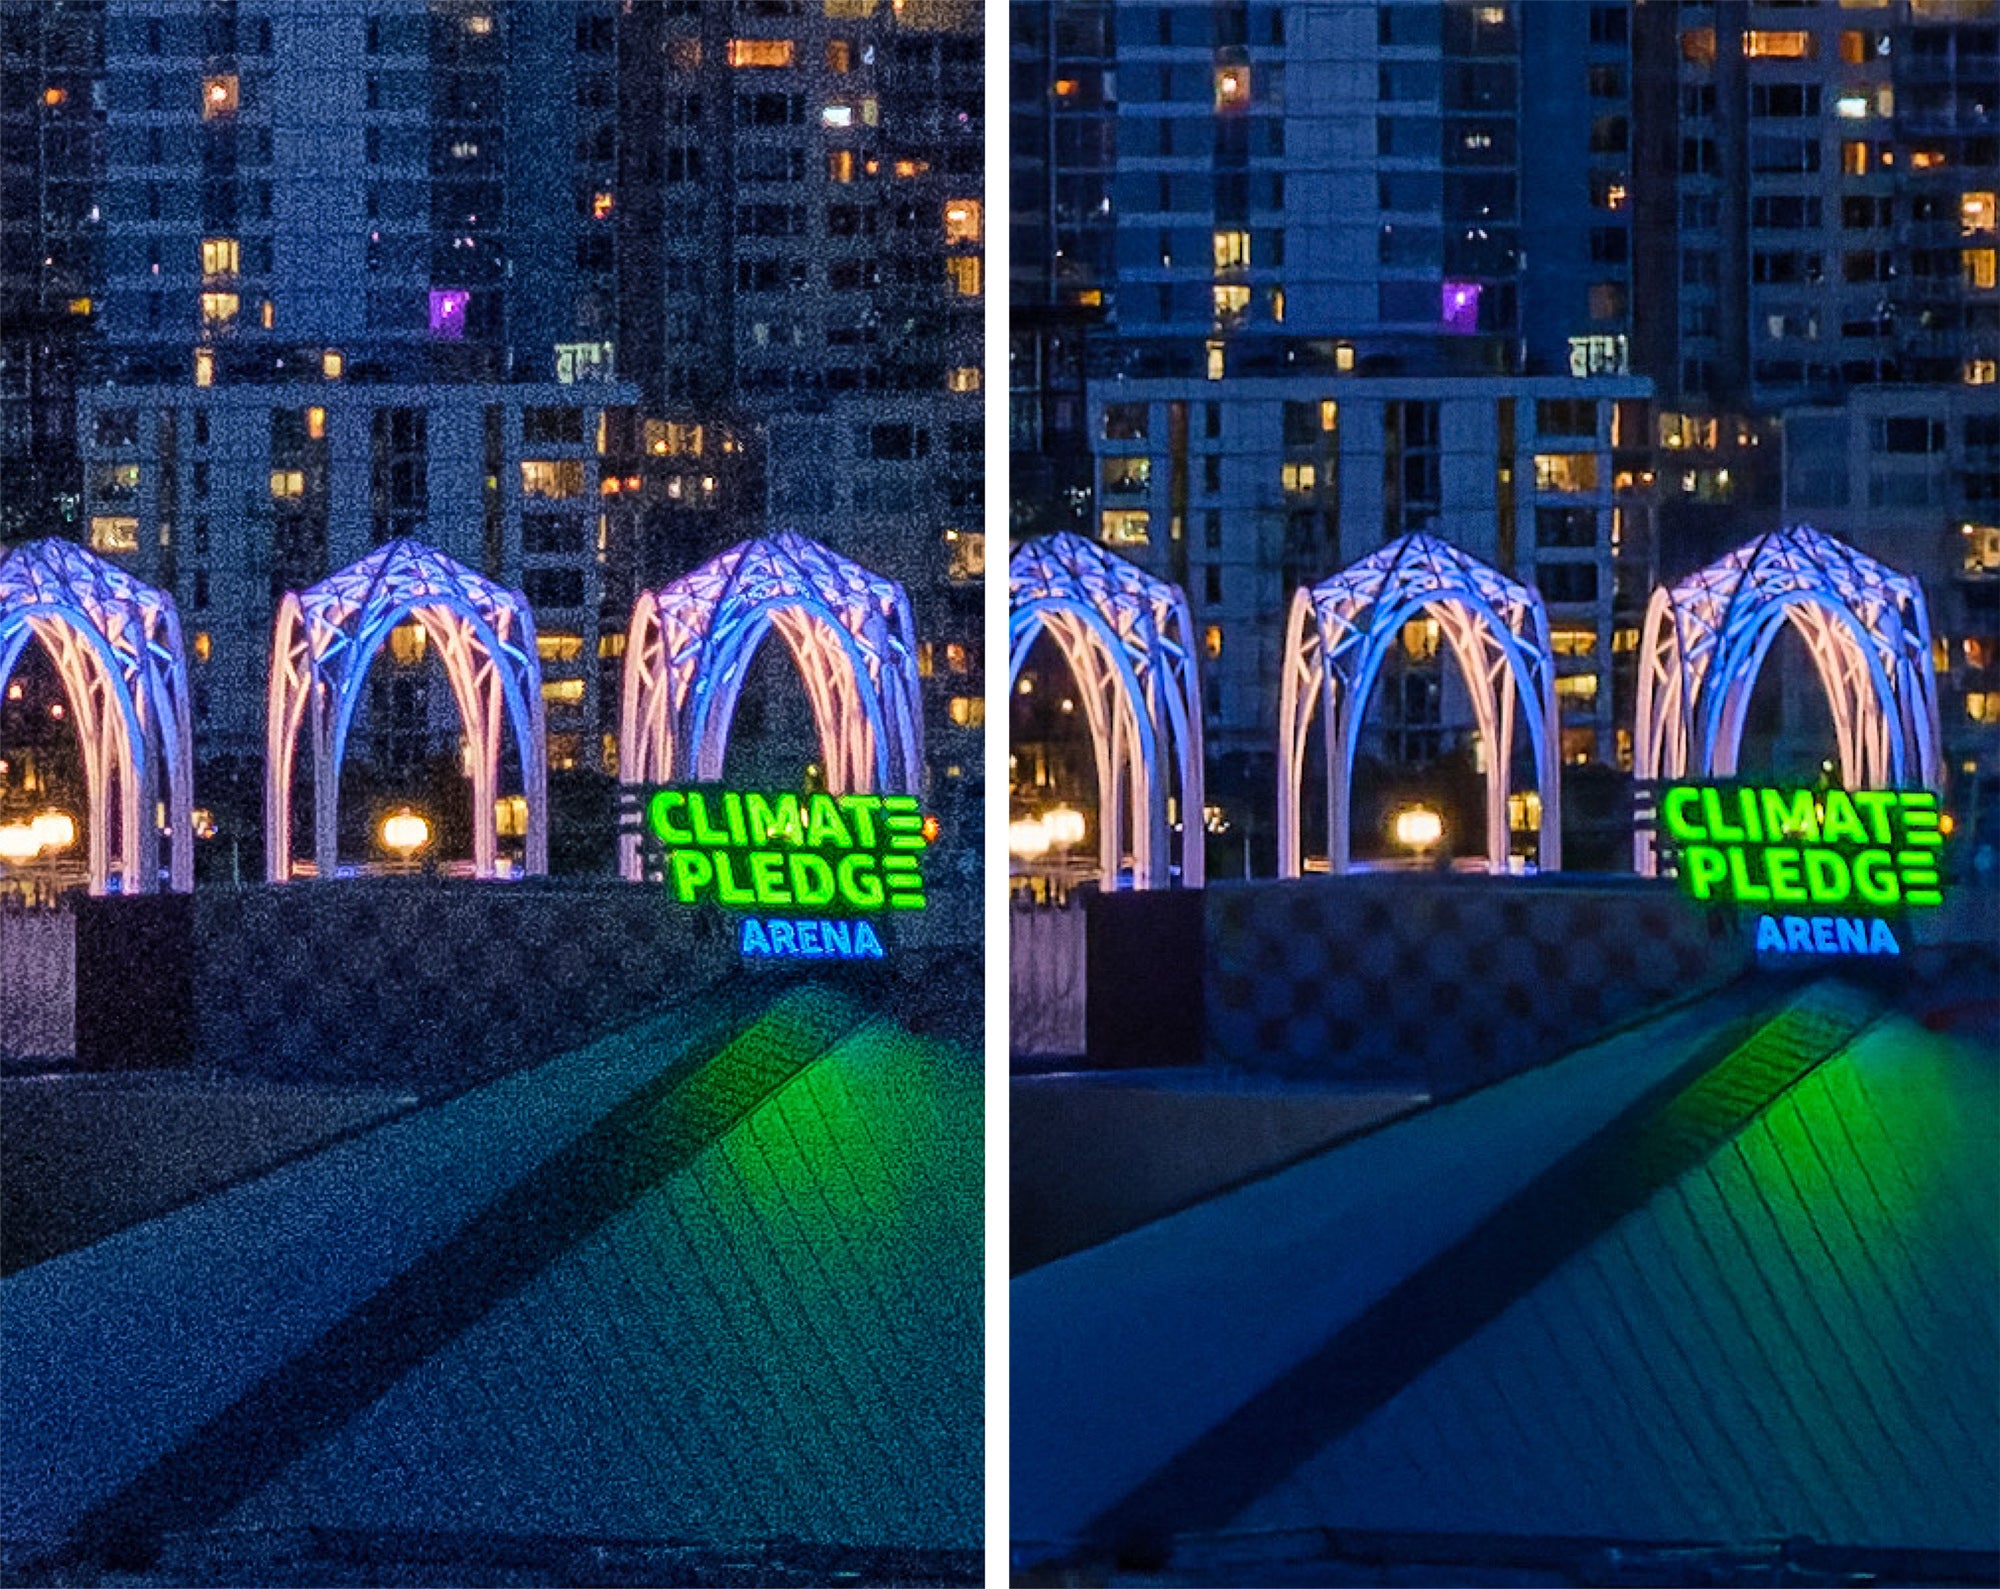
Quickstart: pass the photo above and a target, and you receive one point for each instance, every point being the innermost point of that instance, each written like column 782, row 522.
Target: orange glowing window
column 760, row 52
column 54, row 96
column 839, row 55
column 840, row 165
column 1778, row 46
column 1975, row 213
column 965, row 276
column 1698, row 46
column 218, row 96
column 316, row 423
column 1232, row 87
column 601, row 205
column 962, row 220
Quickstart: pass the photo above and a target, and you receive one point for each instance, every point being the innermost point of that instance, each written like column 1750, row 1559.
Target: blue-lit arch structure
column 1705, row 640
column 325, row 639
column 1128, row 639
column 850, row 632
column 116, row 643
column 1340, row 633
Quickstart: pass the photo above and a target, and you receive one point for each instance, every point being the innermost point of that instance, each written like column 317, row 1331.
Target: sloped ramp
column 736, row 1298
column 1683, row 1287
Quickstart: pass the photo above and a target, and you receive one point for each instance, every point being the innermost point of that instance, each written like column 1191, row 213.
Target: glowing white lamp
column 54, row 830
column 18, row 843
column 1418, row 828
column 405, row 832
column 1028, row 838
column 1065, row 827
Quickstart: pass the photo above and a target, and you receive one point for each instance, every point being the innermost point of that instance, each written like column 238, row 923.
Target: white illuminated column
column 1340, row 633
column 1704, row 641
column 325, row 639
column 116, row 644
column 1128, row 639
column 689, row 646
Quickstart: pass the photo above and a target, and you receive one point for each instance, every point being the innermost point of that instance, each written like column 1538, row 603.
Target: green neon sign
column 844, row 855
column 1868, row 850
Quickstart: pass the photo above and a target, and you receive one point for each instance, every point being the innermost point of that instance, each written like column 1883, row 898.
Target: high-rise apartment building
column 1308, row 276
column 51, row 148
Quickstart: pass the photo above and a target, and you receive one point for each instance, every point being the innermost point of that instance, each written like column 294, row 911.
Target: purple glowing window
column 448, row 306
column 1460, row 308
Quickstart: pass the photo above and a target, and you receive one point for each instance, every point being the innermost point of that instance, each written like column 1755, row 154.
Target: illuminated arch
column 689, row 647
column 1705, row 640
column 1339, row 634
column 117, row 646
column 325, row 639
column 1129, row 640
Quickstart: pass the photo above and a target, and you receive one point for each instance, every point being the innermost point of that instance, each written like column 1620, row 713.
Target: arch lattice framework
column 1339, row 634
column 328, row 635
column 1705, row 640
column 850, row 632
column 116, row 643
column 1129, row 640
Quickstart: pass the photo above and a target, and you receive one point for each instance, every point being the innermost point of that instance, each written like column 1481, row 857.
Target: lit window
column 553, row 478
column 601, row 206
column 219, row 256
column 667, row 438
column 1698, row 46
column 331, row 364
column 968, row 554
column 1211, row 641
column 968, row 711
column 406, row 644
column 961, row 220
column 562, row 692
column 447, row 318
column 1298, row 478
column 219, row 308
column 1215, row 361
column 1329, row 414
column 287, row 483
column 610, row 645
column 266, row 313
column 962, row 378
column 1560, row 472
column 1125, row 527
column 964, row 274
column 218, row 96
column 1232, row 87
column 1570, row 640
column 1851, row 107
column 1064, row 87
column 1982, row 548
column 1232, row 250
column 1927, row 159
column 1778, row 46
column 1854, row 158
column 1977, row 264
column 839, row 55
column 838, row 115
column 316, row 424
column 79, row 306
column 204, row 367
column 1231, row 304
column 1975, row 213
column 204, row 646
column 1343, row 356
column 1979, row 372
column 479, row 23
column 1580, row 688
column 54, row 96
column 1420, row 639
column 1983, row 706
column 840, row 165
column 760, row 52
column 114, row 532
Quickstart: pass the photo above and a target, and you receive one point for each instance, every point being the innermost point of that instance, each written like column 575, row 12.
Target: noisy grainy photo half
column 491, row 792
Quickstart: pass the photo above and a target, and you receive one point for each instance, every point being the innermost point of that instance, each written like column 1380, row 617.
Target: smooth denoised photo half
column 491, row 792
column 1505, row 792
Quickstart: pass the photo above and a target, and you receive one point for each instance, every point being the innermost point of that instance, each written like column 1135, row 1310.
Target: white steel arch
column 850, row 632
column 1337, row 637
column 117, row 646
column 1705, row 639
column 326, row 637
column 1128, row 638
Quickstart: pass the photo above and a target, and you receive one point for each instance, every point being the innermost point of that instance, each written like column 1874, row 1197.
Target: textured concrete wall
column 1444, row 982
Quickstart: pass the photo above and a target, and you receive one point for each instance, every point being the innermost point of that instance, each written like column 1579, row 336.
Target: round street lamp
column 1064, row 826
column 18, row 843
column 405, row 832
column 1418, row 829
column 54, row 830
column 1028, row 838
